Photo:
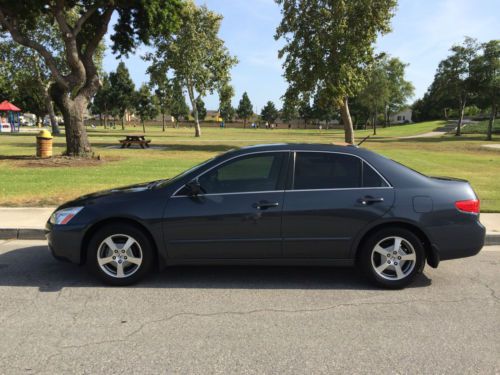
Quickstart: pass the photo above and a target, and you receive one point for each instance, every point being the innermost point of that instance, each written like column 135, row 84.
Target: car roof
column 300, row 146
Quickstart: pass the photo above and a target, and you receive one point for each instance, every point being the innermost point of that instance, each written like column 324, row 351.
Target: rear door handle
column 369, row 200
column 264, row 205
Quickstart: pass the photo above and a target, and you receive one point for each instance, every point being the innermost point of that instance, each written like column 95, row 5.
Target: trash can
column 44, row 144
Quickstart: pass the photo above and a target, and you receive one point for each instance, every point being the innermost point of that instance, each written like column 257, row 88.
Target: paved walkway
column 425, row 135
column 496, row 145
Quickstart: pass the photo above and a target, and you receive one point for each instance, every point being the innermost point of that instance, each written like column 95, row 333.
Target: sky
column 422, row 33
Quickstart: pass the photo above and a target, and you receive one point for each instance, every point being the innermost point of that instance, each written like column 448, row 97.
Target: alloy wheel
column 119, row 255
column 393, row 258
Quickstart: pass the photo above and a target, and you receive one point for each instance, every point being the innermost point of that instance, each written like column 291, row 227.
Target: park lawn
column 22, row 185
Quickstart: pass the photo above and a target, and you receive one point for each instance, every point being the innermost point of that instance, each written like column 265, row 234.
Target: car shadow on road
column 33, row 266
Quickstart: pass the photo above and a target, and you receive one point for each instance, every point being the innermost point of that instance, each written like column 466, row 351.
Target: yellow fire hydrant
column 44, row 144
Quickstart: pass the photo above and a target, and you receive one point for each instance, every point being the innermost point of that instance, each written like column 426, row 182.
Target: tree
column 399, row 89
column 453, row 80
column 328, row 46
column 102, row 99
column 73, row 88
column 122, row 93
column 486, row 78
column 179, row 108
column 245, row 109
column 195, row 54
column 28, row 73
column 269, row 113
column 145, row 105
column 163, row 91
column 226, row 110
column 201, row 110
column 289, row 111
column 305, row 109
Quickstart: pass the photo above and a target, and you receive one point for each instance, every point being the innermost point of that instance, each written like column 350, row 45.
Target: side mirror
column 194, row 187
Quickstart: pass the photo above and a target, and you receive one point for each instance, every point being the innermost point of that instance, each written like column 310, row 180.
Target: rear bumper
column 65, row 241
column 454, row 241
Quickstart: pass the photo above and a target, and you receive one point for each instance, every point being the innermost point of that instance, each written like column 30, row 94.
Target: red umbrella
column 7, row 106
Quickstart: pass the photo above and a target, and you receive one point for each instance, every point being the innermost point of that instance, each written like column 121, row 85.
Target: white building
column 401, row 117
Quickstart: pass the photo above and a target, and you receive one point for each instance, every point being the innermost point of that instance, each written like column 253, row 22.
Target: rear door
column 331, row 198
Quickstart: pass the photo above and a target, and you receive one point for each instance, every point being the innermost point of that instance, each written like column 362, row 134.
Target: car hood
column 124, row 192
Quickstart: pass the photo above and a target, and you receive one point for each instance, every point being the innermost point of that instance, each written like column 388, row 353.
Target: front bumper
column 461, row 240
column 65, row 241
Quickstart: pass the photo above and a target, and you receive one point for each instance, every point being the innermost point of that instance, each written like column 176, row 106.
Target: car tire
column 120, row 254
column 392, row 257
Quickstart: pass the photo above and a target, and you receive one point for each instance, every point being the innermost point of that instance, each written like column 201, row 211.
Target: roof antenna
column 364, row 139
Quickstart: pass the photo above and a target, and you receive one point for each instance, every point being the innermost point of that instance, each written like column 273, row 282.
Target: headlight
column 63, row 216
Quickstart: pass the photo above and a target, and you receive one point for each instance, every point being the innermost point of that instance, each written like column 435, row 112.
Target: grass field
column 26, row 182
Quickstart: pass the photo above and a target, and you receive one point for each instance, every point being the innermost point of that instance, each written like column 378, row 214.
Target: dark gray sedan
column 282, row 204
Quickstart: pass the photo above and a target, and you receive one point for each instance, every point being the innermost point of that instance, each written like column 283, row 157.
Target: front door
column 332, row 197
column 237, row 216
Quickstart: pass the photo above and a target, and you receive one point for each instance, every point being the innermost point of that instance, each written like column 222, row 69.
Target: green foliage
column 329, row 44
column 485, row 74
column 101, row 103
column 269, row 113
column 178, row 108
column 289, row 111
column 145, row 104
column 226, row 110
column 196, row 55
column 245, row 108
column 81, row 26
column 122, row 90
column 202, row 111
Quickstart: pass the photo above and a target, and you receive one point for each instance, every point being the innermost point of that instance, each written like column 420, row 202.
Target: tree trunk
column 50, row 109
column 123, row 122
column 374, row 123
column 244, row 123
column 77, row 141
column 460, row 119
column 195, row 112
column 489, row 133
column 143, row 127
column 163, row 121
column 347, row 120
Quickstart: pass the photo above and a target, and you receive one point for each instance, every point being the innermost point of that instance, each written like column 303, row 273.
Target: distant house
column 401, row 117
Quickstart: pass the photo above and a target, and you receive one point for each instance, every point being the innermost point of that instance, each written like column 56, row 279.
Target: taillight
column 470, row 205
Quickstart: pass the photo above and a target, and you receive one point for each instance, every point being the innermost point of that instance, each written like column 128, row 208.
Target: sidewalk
column 28, row 223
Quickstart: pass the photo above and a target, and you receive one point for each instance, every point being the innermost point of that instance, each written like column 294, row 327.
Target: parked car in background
column 283, row 204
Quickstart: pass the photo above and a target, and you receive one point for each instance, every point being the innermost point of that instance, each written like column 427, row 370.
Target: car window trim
column 226, row 161
column 389, row 186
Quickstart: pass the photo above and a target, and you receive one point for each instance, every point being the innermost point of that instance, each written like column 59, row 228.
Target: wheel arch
column 431, row 253
column 115, row 220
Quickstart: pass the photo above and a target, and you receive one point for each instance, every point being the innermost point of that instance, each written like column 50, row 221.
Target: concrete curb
column 22, row 234
column 39, row 234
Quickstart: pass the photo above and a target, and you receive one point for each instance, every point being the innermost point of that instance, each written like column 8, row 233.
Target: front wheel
column 120, row 254
column 391, row 258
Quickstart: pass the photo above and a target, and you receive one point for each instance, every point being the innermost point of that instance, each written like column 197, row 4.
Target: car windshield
column 166, row 182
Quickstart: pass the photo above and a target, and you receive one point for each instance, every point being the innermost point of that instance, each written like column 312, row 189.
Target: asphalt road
column 55, row 318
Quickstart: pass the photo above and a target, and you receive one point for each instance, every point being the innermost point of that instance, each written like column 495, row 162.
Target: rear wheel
column 392, row 257
column 120, row 254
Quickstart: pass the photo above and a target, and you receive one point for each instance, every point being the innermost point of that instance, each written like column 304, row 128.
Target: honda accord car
column 280, row 204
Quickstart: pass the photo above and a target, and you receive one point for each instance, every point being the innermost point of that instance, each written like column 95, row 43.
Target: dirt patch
column 58, row 161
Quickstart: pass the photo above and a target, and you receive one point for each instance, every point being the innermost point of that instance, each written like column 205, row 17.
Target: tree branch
column 47, row 56
column 72, row 53
column 99, row 34
column 81, row 21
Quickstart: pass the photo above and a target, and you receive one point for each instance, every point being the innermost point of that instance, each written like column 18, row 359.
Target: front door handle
column 369, row 200
column 264, row 205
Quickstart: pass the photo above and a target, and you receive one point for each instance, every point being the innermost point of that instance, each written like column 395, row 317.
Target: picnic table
column 139, row 139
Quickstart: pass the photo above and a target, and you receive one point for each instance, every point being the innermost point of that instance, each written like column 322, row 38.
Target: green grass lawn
column 24, row 183
column 481, row 127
